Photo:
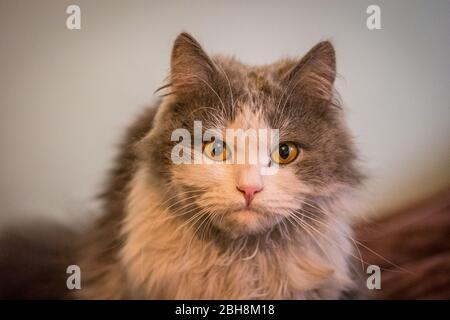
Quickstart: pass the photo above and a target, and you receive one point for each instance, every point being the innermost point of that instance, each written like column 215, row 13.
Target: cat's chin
column 247, row 221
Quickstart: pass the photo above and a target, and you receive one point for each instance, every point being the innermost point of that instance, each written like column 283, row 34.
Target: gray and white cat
column 225, row 231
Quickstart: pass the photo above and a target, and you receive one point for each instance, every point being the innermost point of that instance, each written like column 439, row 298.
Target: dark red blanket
column 412, row 247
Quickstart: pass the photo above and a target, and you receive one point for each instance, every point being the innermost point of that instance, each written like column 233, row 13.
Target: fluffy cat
column 224, row 231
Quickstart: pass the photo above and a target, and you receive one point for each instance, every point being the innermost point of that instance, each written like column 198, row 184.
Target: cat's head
column 314, row 157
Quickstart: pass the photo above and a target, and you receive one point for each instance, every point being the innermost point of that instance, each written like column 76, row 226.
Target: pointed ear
column 191, row 68
column 314, row 75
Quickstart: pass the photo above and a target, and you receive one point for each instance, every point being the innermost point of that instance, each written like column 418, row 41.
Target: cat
column 224, row 231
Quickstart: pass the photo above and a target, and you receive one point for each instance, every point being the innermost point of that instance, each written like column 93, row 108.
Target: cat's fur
column 148, row 244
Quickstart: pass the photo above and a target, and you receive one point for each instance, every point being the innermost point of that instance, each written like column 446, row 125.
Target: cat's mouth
column 247, row 220
column 248, row 210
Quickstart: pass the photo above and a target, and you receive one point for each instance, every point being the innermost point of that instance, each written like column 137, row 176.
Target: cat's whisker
column 206, row 228
column 384, row 259
column 350, row 253
column 182, row 211
column 355, row 242
column 196, row 220
column 330, row 216
column 177, row 195
column 346, row 234
column 188, row 222
column 184, row 206
column 206, row 216
column 212, row 218
column 286, row 232
column 305, row 226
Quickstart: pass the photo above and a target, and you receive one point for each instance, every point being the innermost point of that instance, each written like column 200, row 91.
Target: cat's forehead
column 256, row 90
column 255, row 80
column 248, row 117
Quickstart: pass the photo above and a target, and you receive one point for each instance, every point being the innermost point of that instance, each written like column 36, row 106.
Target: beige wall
column 65, row 96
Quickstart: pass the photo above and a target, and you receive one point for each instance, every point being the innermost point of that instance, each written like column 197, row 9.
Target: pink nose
column 249, row 192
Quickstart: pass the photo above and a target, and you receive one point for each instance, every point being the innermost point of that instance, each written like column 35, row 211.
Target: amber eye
column 216, row 150
column 285, row 153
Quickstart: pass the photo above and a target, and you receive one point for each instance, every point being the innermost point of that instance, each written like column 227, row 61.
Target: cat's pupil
column 284, row 151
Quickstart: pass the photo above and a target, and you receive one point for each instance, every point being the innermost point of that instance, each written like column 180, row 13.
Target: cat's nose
column 249, row 192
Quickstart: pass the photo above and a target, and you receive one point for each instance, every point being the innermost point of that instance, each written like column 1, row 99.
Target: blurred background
column 66, row 96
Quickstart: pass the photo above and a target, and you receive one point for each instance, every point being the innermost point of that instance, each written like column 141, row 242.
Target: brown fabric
column 33, row 261
column 412, row 247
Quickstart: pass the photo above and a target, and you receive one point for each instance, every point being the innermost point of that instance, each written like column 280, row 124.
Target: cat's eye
column 216, row 150
column 285, row 153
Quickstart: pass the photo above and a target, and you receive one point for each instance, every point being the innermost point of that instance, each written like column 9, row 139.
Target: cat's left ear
column 313, row 77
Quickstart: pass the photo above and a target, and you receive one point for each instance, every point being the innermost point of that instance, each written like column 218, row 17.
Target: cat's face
column 313, row 158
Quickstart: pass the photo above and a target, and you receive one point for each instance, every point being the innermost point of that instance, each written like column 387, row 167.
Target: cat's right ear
column 191, row 69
